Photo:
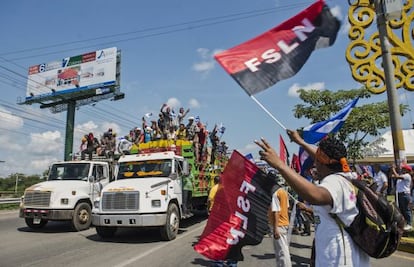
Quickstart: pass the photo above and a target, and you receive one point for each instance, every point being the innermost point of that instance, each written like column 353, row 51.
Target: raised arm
column 308, row 191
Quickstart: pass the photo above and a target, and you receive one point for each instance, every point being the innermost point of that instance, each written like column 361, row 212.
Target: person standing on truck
column 91, row 146
column 188, row 185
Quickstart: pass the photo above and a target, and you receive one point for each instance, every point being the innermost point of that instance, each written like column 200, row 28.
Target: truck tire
column 170, row 230
column 29, row 222
column 105, row 231
column 82, row 217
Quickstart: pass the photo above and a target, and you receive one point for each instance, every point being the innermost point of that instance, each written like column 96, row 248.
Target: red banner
column 239, row 215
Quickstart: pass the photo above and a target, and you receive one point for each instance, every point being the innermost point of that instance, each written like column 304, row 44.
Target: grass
column 9, row 206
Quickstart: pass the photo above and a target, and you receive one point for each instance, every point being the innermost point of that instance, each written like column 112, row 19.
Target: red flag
column 283, row 152
column 282, row 51
column 239, row 215
column 295, row 164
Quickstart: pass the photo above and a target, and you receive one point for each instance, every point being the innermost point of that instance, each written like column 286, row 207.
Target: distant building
column 381, row 150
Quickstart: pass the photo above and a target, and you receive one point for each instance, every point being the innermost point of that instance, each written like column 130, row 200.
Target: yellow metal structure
column 364, row 53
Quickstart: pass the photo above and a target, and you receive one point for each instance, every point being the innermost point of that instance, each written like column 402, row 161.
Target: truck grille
column 37, row 198
column 120, row 201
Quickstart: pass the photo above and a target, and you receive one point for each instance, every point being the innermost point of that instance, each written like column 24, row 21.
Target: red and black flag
column 239, row 214
column 283, row 151
column 295, row 163
column 282, row 51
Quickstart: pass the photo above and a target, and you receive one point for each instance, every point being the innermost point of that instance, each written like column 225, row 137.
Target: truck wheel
column 105, row 232
column 82, row 217
column 29, row 222
column 170, row 230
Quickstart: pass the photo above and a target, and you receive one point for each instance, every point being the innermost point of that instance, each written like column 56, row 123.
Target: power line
column 184, row 26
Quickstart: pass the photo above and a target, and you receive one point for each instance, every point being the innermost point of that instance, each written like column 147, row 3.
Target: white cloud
column 204, row 66
column 249, row 148
column 40, row 165
column 8, row 143
column 207, row 62
column 345, row 27
column 337, row 12
column 193, row 103
column 45, row 143
column 293, row 90
column 174, row 103
column 7, row 118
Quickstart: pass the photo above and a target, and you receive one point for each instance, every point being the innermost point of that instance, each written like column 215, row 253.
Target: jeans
column 403, row 204
column 227, row 263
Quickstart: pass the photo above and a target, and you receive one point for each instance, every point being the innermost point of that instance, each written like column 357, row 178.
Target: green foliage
column 364, row 120
column 9, row 184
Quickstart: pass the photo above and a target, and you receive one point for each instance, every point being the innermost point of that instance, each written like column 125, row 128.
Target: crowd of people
column 324, row 193
column 168, row 126
column 327, row 193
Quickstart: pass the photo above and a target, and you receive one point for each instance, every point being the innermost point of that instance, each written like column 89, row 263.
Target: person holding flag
column 333, row 195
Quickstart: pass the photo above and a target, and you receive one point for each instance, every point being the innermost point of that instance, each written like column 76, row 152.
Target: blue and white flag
column 221, row 129
column 306, row 162
column 249, row 157
column 315, row 132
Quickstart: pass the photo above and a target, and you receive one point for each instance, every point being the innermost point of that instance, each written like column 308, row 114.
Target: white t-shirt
column 403, row 185
column 380, row 178
column 329, row 245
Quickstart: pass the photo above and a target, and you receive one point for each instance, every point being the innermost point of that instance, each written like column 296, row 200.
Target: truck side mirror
column 91, row 179
column 185, row 170
column 173, row 176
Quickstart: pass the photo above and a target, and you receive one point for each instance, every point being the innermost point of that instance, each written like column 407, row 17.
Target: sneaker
column 407, row 227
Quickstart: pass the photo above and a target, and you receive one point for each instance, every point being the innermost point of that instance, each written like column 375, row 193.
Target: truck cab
column 147, row 192
column 67, row 195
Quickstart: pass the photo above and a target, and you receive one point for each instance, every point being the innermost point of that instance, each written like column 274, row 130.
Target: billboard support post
column 70, row 122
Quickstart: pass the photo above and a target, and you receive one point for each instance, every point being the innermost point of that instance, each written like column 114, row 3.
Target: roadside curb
column 406, row 245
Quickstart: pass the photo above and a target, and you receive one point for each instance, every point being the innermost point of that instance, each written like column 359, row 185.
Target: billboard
column 73, row 75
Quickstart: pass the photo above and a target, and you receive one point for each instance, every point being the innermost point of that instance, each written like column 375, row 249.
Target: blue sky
column 167, row 57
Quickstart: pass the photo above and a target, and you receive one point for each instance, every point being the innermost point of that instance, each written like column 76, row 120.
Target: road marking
column 403, row 257
column 132, row 260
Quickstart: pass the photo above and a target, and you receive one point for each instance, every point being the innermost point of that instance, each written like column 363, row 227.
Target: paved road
column 58, row 245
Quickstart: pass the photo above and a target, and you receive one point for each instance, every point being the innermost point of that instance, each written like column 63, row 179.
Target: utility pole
column 393, row 103
column 17, row 180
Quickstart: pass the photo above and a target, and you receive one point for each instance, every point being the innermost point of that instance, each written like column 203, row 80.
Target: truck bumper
column 129, row 220
column 46, row 214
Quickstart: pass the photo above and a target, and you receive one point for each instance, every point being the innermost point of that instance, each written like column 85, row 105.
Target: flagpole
column 268, row 113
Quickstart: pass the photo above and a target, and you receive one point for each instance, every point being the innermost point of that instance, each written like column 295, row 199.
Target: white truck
column 67, row 195
column 147, row 192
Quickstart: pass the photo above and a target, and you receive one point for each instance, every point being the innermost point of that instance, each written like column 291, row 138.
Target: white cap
column 191, row 118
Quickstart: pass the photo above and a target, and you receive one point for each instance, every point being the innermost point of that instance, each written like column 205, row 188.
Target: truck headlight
column 156, row 203
column 64, row 201
column 96, row 204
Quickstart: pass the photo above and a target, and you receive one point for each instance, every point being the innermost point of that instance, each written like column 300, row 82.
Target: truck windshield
column 141, row 169
column 69, row 171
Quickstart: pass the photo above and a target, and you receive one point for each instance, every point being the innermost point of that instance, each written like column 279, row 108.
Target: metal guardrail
column 10, row 200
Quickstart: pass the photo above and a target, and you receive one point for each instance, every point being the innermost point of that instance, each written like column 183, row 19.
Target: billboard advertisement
column 73, row 74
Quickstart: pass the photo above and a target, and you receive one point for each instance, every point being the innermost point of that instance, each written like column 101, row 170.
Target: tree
column 364, row 120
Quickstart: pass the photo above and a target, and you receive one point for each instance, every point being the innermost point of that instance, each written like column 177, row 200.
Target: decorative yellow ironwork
column 364, row 54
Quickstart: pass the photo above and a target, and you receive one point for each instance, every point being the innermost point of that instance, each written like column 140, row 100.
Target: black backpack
column 379, row 225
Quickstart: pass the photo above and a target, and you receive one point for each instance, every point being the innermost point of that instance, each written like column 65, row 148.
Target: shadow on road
column 50, row 228
column 146, row 234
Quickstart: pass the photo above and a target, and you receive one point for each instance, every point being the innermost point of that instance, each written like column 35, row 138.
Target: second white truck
column 147, row 192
